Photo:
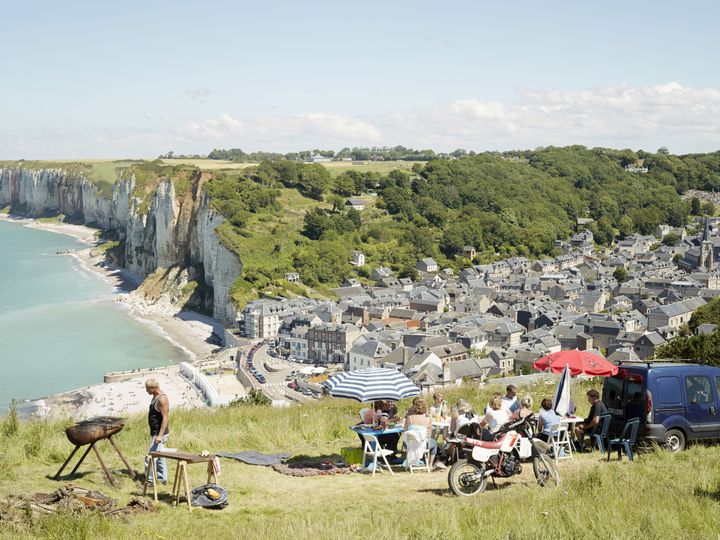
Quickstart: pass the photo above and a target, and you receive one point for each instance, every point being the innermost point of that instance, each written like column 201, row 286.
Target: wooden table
column 183, row 460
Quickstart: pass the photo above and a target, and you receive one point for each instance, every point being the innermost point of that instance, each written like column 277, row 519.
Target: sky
column 88, row 79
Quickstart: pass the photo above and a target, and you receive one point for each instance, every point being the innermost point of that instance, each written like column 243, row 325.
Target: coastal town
column 487, row 322
column 497, row 319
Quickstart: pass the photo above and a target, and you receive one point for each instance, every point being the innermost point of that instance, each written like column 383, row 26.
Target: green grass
column 256, row 246
column 657, row 496
column 52, row 219
column 336, row 168
column 102, row 172
column 104, row 248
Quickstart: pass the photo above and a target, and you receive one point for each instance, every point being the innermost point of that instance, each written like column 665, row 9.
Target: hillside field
column 660, row 495
column 335, row 167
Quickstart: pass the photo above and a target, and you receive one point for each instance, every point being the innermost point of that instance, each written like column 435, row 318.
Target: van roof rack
column 662, row 361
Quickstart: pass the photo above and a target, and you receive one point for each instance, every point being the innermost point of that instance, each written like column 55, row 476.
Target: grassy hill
column 658, row 496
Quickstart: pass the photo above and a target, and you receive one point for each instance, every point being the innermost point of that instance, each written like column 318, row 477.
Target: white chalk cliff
column 174, row 231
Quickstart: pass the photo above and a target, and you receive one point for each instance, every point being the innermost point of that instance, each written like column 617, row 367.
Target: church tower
column 706, row 263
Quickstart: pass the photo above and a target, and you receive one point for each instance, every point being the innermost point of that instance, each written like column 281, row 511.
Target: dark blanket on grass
column 255, row 458
column 313, row 468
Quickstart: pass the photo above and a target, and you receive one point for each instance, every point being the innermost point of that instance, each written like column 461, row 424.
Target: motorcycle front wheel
column 545, row 471
column 466, row 478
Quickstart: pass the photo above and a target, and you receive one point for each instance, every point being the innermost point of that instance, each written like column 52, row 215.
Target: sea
column 60, row 328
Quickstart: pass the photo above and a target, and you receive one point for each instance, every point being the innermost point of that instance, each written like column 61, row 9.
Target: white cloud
column 683, row 118
column 282, row 133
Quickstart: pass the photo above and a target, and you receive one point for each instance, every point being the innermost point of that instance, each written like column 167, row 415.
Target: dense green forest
column 514, row 203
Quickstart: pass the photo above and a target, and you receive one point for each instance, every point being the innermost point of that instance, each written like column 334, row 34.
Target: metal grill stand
column 89, row 432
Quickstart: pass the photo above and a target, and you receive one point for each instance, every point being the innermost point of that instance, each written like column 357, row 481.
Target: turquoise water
column 59, row 326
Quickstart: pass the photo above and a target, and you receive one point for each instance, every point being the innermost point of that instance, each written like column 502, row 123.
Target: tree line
column 502, row 204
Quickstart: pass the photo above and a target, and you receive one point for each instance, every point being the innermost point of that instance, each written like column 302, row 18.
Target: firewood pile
column 17, row 508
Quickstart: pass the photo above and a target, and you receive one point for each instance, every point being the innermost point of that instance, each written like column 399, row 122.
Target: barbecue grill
column 89, row 432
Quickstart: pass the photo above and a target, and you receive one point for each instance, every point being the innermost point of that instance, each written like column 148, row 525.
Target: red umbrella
column 578, row 362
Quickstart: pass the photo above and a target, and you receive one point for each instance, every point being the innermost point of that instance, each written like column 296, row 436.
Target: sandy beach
column 117, row 399
column 192, row 332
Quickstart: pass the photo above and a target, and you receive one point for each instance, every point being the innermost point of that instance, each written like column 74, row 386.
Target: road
column 276, row 385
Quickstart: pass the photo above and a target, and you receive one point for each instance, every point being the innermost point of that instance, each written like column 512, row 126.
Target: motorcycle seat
column 491, row 445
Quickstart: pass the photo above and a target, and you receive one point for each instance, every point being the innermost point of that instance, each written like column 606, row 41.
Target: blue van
column 676, row 403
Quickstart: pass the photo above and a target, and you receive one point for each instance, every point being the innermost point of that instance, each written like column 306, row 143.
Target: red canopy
column 578, row 362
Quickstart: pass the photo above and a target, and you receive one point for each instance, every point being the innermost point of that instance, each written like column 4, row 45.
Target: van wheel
column 674, row 440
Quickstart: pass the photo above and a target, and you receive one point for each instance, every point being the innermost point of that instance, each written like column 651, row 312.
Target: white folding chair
column 560, row 440
column 418, row 447
column 373, row 450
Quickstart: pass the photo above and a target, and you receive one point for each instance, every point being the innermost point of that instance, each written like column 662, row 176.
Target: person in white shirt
column 510, row 400
column 487, row 407
column 462, row 415
column 496, row 417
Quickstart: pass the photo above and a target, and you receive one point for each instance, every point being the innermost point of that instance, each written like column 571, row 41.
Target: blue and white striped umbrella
column 371, row 384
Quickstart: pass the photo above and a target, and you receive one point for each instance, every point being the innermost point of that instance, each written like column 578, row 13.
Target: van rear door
column 613, row 395
column 702, row 411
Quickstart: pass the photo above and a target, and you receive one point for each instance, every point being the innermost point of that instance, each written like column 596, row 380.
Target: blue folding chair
column 626, row 441
column 600, row 434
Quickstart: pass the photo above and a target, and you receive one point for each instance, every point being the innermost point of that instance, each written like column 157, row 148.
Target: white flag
column 561, row 403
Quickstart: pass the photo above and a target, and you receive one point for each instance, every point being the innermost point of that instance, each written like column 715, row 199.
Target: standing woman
column 158, row 417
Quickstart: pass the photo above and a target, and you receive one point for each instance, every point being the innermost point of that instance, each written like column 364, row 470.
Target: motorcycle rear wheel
column 463, row 478
column 546, row 471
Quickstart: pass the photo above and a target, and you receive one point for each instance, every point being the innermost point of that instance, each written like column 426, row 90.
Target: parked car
column 676, row 402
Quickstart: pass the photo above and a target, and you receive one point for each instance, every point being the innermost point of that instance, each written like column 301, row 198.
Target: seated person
column 487, row 407
column 462, row 415
column 369, row 416
column 597, row 409
column 411, row 410
column 420, row 421
column 386, row 412
column 496, row 417
column 548, row 420
column 439, row 404
column 510, row 401
column 463, row 420
column 525, row 408
column 388, row 408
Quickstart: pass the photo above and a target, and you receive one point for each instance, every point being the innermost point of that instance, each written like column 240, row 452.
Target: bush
column 254, row 398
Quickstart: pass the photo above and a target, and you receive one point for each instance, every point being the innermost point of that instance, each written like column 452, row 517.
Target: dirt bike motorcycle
column 501, row 458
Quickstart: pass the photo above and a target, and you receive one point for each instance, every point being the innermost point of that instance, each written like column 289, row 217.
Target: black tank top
column 155, row 418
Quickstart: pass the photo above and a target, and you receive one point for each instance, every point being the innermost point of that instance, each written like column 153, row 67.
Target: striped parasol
column 371, row 384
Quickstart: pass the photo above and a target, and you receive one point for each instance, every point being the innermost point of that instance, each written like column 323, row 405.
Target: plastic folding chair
column 560, row 441
column 418, row 448
column 373, row 450
column 626, row 441
column 600, row 434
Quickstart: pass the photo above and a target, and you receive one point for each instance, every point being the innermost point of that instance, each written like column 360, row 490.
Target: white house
column 427, row 265
column 369, row 354
column 355, row 204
